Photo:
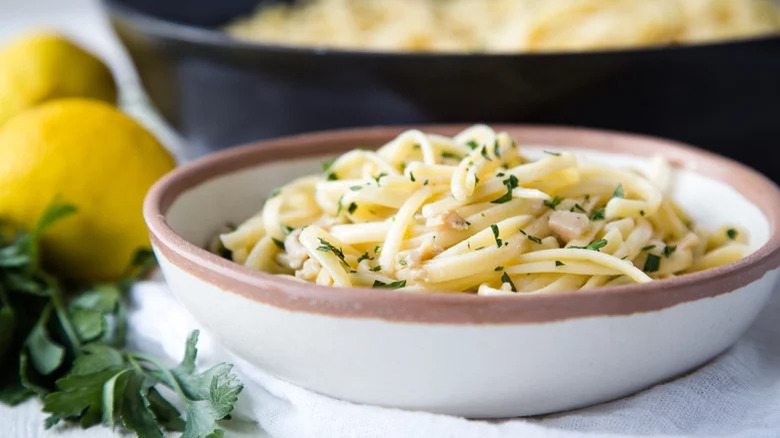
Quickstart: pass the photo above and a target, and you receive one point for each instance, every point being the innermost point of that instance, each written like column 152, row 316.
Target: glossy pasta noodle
column 506, row 25
column 472, row 213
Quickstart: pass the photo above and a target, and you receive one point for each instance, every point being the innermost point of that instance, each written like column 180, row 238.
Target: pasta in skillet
column 505, row 25
column 473, row 214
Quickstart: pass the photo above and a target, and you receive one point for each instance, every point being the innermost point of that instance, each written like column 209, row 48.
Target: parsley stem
column 62, row 314
column 170, row 380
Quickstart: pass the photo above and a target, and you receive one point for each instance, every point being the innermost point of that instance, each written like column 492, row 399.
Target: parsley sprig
column 64, row 344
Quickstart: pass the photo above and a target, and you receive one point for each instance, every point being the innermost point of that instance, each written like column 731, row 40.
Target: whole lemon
column 45, row 66
column 90, row 155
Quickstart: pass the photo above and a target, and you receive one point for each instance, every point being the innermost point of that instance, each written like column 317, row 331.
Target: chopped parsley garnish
column 476, row 180
column 355, row 188
column 352, row 207
column 499, row 268
column 648, row 247
column 402, row 262
column 494, row 228
column 505, row 279
column 279, row 244
column 618, row 193
column 510, row 184
column 411, row 176
column 484, row 154
column 669, row 250
column 534, row 239
column 559, row 263
column 425, row 183
column 641, row 212
column 378, row 177
column 554, row 203
column 652, row 263
column 275, row 192
column 376, row 268
column 287, row 229
column 598, row 214
column 579, row 208
column 731, row 233
column 364, row 257
column 393, row 285
column 472, row 144
column 447, row 154
column 587, row 197
column 500, row 174
column 496, row 150
column 326, row 246
column 326, row 165
column 340, row 205
column 595, row 246
column 377, row 249
column 331, row 176
column 556, row 154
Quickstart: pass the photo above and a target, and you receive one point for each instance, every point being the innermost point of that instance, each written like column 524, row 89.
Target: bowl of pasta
column 477, row 271
column 228, row 72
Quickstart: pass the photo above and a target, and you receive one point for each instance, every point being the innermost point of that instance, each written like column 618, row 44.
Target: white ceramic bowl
column 455, row 353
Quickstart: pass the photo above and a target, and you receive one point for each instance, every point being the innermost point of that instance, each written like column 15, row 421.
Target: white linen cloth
column 737, row 395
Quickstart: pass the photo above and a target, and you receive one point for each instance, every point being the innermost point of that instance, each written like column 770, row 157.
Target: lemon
column 44, row 66
column 88, row 154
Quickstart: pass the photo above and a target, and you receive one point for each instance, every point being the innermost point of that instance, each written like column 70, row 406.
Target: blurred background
column 216, row 91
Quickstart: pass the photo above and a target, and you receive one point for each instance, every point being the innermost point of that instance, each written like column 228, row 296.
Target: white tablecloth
column 736, row 395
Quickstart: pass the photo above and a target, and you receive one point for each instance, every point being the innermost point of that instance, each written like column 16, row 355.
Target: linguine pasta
column 506, row 25
column 472, row 213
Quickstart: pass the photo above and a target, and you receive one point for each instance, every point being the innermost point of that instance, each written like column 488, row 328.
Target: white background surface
column 742, row 387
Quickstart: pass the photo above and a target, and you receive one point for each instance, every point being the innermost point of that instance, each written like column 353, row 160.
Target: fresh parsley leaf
column 556, row 154
column 376, row 268
column 364, row 257
column 669, row 250
column 355, row 188
column 472, row 144
column 496, row 149
column 331, row 176
column 648, row 247
column 534, row 239
column 559, row 263
column 411, row 176
column 510, row 184
column 279, row 244
column 731, row 233
column 447, row 154
column 484, row 154
column 352, row 207
column 499, row 268
column 579, row 208
column 326, row 246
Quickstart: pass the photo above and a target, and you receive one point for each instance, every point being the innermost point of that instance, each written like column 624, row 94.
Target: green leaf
column 112, row 400
column 136, row 414
column 187, row 364
column 53, row 213
column 7, row 323
column 45, row 354
column 507, row 279
column 28, row 377
column 95, row 358
column 102, row 298
column 167, row 415
column 618, row 193
column 78, row 396
column 14, row 394
column 89, row 324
